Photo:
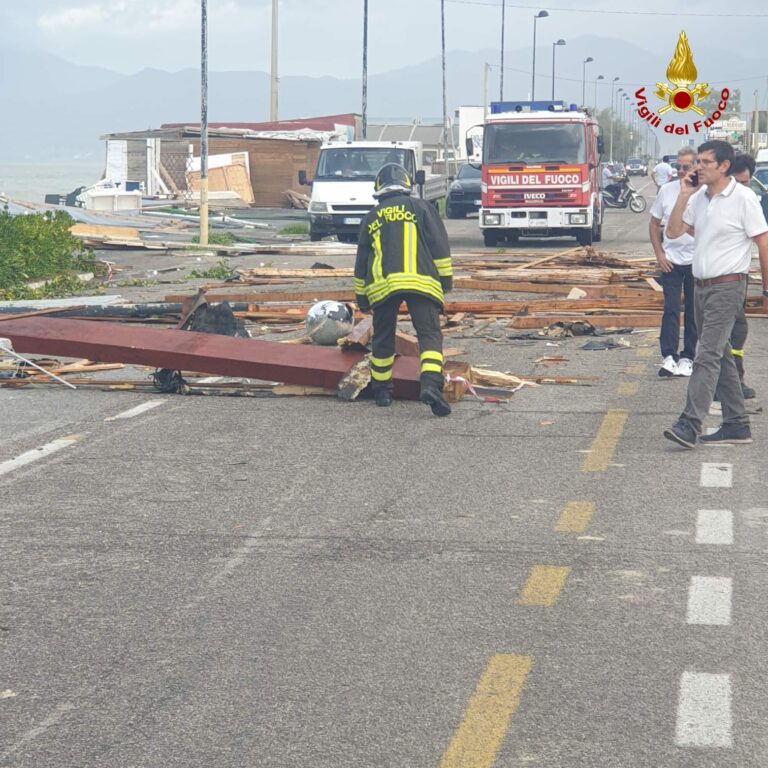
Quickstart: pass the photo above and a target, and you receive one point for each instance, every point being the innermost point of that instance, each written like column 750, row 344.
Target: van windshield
column 533, row 144
column 361, row 163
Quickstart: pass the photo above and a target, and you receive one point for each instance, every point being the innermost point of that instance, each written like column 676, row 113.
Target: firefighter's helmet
column 392, row 178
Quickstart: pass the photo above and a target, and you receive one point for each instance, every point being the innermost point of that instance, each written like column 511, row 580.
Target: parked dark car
column 464, row 194
column 636, row 167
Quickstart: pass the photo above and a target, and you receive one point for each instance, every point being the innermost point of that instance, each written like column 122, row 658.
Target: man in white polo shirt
column 674, row 257
column 662, row 172
column 724, row 218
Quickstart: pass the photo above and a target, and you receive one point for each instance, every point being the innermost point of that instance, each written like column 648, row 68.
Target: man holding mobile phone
column 724, row 219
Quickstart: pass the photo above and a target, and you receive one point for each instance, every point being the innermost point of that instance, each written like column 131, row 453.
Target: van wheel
column 315, row 236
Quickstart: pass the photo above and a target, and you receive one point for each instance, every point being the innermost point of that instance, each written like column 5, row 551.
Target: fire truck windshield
column 533, row 143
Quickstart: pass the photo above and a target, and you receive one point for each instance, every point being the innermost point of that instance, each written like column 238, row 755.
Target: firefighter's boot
column 432, row 394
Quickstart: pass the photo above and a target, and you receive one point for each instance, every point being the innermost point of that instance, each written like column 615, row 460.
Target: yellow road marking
column 486, row 720
column 644, row 352
column 604, row 445
column 636, row 369
column 575, row 517
column 628, row 388
column 543, row 586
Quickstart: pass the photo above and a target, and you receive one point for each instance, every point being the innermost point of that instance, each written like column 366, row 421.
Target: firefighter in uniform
column 403, row 255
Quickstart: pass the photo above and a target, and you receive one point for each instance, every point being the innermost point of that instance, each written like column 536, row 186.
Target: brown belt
column 722, row 279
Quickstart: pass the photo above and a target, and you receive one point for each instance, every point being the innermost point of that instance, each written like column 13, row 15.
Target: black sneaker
column 682, row 433
column 748, row 392
column 728, row 435
column 384, row 398
column 435, row 400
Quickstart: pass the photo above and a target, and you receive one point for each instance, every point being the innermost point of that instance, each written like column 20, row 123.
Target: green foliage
column 40, row 246
column 295, row 229
column 217, row 238
column 55, row 288
column 220, row 271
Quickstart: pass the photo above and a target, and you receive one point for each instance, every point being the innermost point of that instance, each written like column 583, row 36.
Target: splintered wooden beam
column 212, row 297
column 206, row 353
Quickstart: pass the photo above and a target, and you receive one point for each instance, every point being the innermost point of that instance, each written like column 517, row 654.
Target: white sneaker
column 668, row 367
column 684, row 366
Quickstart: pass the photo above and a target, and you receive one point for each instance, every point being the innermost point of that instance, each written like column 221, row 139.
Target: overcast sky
column 324, row 37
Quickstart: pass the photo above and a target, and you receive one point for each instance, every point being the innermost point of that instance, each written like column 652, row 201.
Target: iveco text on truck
column 540, row 173
column 342, row 187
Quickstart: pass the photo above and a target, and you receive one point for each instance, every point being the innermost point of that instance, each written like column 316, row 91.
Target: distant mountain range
column 55, row 110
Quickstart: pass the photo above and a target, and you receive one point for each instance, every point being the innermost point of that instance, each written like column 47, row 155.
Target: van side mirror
column 303, row 178
column 470, row 146
column 600, row 145
column 421, row 177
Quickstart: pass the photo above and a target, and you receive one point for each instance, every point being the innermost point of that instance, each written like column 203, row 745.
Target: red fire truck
column 540, row 173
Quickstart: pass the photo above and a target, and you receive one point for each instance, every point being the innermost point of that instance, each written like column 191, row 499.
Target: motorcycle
column 628, row 197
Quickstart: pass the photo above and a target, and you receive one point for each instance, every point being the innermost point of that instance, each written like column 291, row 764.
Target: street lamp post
column 599, row 77
column 204, row 123
column 610, row 152
column 554, row 48
column 501, row 63
column 539, row 15
column 584, row 80
column 273, row 77
column 365, row 70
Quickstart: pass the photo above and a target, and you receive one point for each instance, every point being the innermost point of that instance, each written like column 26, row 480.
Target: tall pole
column 599, row 77
column 445, row 102
column 539, row 15
column 501, row 64
column 584, row 81
column 486, row 70
column 756, row 127
column 554, row 47
column 204, row 124
column 274, row 80
column 610, row 153
column 365, row 69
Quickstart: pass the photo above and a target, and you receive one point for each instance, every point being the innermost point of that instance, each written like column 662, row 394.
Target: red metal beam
column 202, row 352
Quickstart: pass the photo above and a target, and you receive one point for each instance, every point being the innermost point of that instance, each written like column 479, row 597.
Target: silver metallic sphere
column 329, row 321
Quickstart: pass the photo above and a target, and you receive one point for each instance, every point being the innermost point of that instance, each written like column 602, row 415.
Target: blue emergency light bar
column 497, row 107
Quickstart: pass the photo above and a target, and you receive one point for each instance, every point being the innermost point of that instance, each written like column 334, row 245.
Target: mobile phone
column 694, row 179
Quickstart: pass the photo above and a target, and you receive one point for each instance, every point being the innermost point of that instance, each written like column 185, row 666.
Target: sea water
column 31, row 181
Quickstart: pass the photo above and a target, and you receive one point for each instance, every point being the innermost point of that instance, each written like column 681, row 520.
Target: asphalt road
column 304, row 582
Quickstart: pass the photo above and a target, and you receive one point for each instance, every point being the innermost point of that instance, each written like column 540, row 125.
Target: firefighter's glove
column 447, row 283
column 362, row 303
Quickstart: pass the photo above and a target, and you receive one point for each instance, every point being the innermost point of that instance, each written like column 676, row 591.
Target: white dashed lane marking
column 716, row 475
column 38, row 453
column 714, row 526
column 139, row 409
column 704, row 711
column 709, row 600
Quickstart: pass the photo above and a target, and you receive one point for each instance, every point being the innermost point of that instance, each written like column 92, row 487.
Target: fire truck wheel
column 597, row 233
column 491, row 238
column 584, row 237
